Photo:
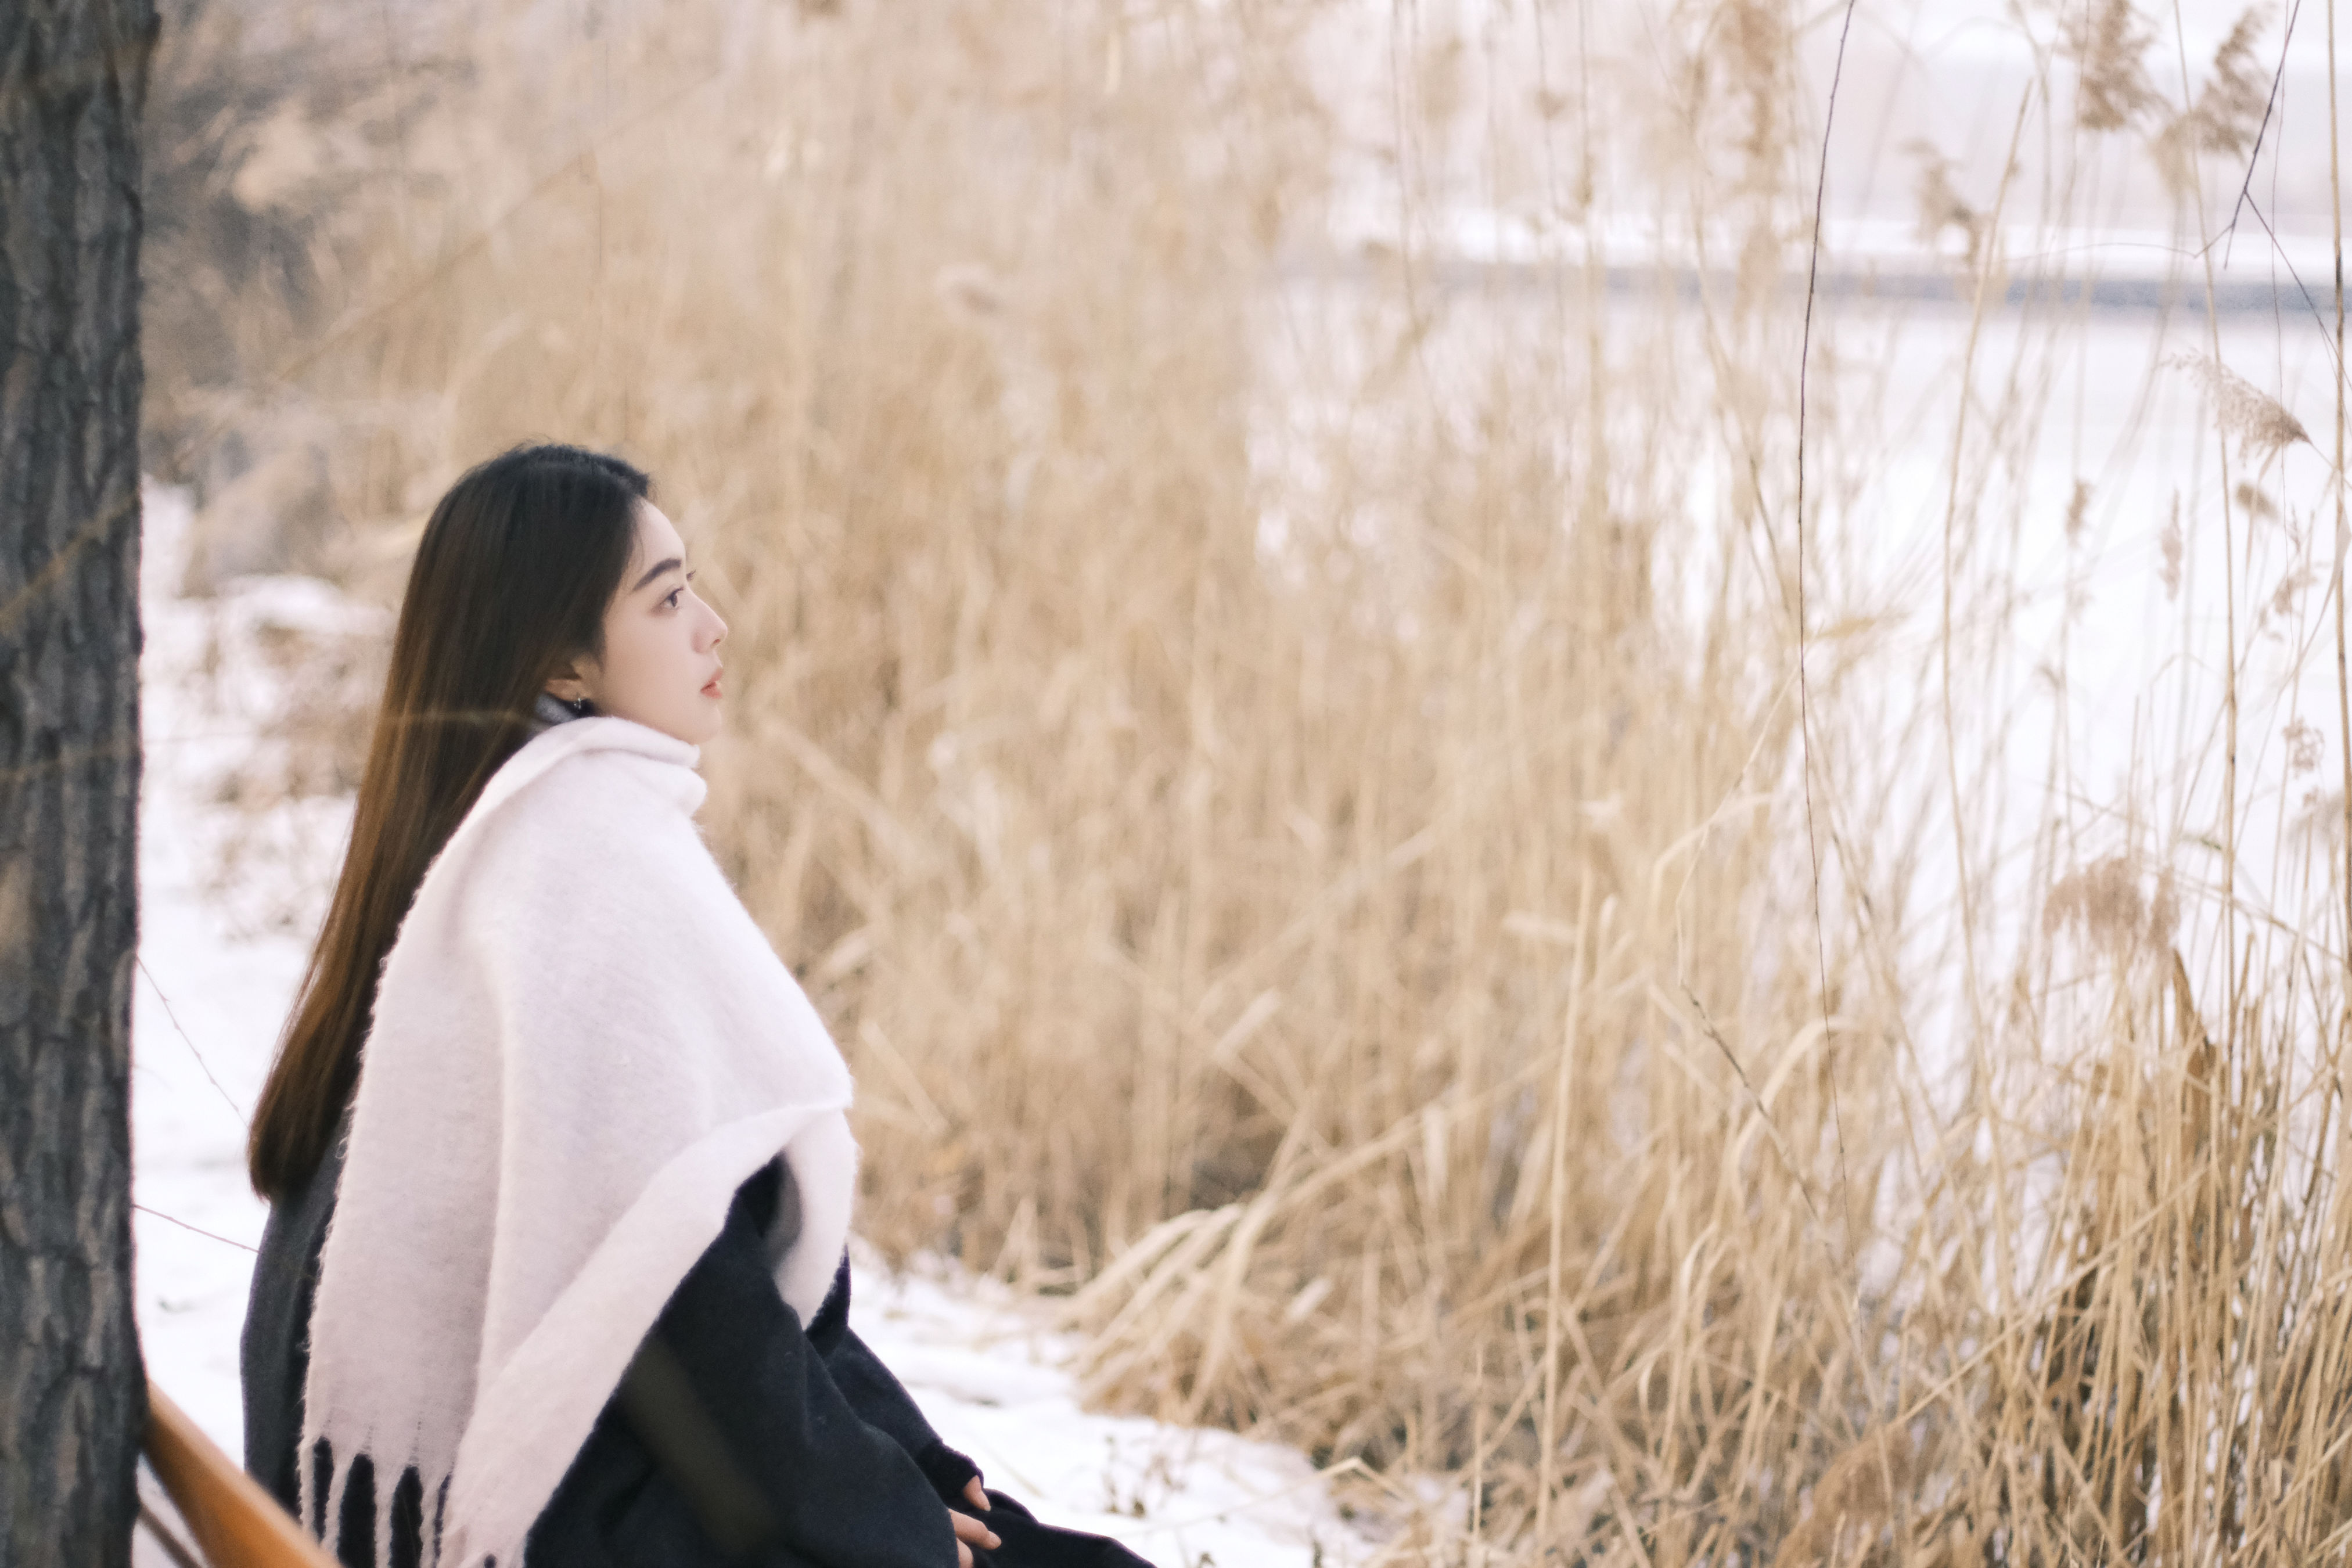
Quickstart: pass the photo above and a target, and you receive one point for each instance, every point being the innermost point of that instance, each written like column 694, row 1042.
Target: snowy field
column 230, row 892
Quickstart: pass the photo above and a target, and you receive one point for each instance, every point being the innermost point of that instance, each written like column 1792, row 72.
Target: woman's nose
column 718, row 629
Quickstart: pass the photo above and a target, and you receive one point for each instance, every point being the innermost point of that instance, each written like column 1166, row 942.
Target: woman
column 554, row 1267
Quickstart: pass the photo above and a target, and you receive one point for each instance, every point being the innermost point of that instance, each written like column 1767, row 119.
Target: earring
column 580, row 707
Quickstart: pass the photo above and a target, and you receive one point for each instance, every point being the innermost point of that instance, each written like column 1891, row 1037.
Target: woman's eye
column 670, row 600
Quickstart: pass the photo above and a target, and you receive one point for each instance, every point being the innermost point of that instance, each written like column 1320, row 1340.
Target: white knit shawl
column 582, row 1046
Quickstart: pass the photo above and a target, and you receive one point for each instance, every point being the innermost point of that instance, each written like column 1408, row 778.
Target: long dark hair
column 511, row 581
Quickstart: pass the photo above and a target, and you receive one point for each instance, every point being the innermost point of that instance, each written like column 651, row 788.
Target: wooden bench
column 236, row 1524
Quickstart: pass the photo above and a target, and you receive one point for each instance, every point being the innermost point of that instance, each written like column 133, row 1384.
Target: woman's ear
column 568, row 684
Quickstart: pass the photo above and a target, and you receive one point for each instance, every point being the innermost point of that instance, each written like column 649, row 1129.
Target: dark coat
column 736, row 1435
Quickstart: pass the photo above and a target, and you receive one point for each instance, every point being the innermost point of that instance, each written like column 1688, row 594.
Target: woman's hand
column 968, row 1531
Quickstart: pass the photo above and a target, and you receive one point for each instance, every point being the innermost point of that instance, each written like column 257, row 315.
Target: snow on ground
column 231, row 892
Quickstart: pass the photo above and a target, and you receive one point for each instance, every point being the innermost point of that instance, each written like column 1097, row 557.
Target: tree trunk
column 73, row 76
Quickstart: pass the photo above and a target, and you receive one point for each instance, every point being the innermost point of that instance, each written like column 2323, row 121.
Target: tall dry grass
column 1286, row 765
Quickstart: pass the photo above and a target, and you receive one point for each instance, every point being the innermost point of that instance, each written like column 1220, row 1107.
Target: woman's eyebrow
column 670, row 565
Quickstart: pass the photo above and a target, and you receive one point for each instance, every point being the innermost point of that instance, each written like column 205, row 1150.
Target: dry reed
column 1284, row 778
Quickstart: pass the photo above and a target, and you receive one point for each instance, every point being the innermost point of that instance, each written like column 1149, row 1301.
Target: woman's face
column 660, row 664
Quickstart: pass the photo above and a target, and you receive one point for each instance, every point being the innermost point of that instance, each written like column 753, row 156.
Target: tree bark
column 73, row 76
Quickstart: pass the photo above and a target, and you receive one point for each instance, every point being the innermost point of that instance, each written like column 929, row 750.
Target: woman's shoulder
column 590, row 776
column 603, row 814
column 601, row 761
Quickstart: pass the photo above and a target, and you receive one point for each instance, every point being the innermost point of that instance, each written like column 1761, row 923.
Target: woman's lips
column 710, row 688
